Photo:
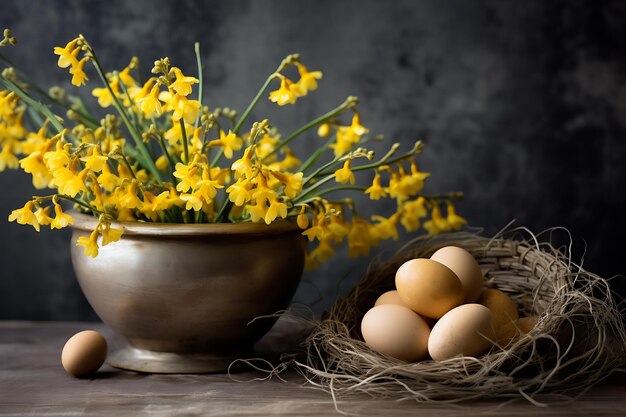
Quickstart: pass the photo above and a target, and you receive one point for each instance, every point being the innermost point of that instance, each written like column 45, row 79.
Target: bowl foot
column 141, row 360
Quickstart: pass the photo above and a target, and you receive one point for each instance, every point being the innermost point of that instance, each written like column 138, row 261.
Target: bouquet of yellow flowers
column 166, row 157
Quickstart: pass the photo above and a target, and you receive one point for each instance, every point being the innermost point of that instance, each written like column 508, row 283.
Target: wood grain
column 33, row 383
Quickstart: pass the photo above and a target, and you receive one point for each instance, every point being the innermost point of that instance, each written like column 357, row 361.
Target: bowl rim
column 85, row 222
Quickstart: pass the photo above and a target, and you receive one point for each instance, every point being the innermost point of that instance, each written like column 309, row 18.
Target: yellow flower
column 230, row 143
column 348, row 136
column 61, row 219
column 43, row 215
column 7, row 158
column 276, row 209
column 338, row 228
column 185, row 109
column 318, row 230
column 437, row 223
column 412, row 212
column 68, row 182
column 8, row 102
column 193, row 202
column 125, row 215
column 454, row 220
column 290, row 162
column 359, row 237
column 386, row 228
column 410, row 185
column 151, row 103
column 292, row 182
column 108, row 180
column 239, row 192
column 128, row 198
column 174, row 135
column 183, row 84
column 243, row 166
column 263, row 191
column 78, row 74
column 58, row 158
column 287, row 93
column 163, row 201
column 15, row 128
column 33, row 164
column 207, row 187
column 188, row 176
column 376, row 191
column 96, row 161
column 143, row 92
column 89, row 243
column 257, row 211
column 308, row 80
column 25, row 215
column 356, row 127
column 110, row 235
column 322, row 252
column 105, row 98
column 266, row 146
column 67, row 55
column 344, row 175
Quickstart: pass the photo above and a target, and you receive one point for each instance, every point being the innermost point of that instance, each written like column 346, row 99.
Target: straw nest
column 579, row 339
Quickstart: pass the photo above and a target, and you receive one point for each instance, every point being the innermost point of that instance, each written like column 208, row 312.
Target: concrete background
column 522, row 106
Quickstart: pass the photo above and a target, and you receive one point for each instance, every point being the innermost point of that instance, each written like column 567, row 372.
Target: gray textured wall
column 522, row 106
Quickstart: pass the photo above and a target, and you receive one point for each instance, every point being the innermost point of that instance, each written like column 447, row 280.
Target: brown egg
column 396, row 331
column 428, row 287
column 526, row 324
column 84, row 353
column 504, row 313
column 464, row 265
column 390, row 297
column 465, row 330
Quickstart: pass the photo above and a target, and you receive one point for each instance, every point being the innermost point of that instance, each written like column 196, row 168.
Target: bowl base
column 142, row 360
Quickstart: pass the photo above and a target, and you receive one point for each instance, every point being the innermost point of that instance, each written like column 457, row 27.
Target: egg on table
column 428, row 287
column 465, row 330
column 466, row 268
column 84, row 353
column 396, row 331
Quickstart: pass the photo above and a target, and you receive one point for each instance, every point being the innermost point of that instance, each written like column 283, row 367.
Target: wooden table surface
column 33, row 383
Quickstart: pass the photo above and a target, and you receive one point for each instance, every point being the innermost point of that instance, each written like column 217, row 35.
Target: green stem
column 383, row 161
column 84, row 113
column 252, row 104
column 130, row 100
column 320, row 169
column 312, row 188
column 196, row 48
column 129, row 166
column 68, row 198
column 36, row 117
column 185, row 146
column 350, row 102
column 330, row 190
column 168, row 156
column 313, row 158
column 224, row 210
column 145, row 159
column 42, row 108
